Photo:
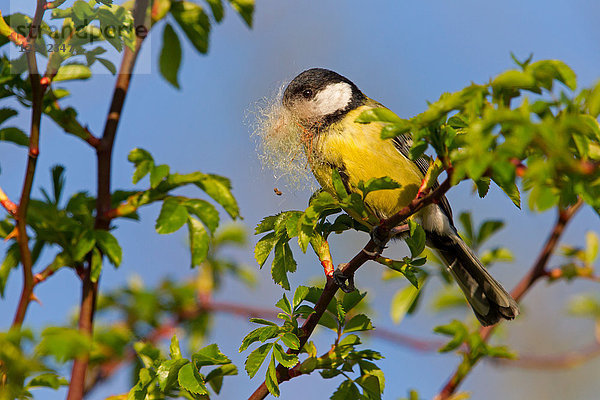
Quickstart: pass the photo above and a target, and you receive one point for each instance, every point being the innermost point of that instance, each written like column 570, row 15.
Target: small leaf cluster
column 195, row 24
column 580, row 260
column 286, row 334
column 69, row 229
column 175, row 376
column 514, row 126
column 344, row 356
column 26, row 360
column 470, row 345
column 312, row 226
column 339, row 360
column 201, row 217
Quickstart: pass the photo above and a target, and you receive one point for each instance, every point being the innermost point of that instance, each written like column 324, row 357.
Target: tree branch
column 103, row 200
column 37, row 93
column 366, row 254
column 537, row 271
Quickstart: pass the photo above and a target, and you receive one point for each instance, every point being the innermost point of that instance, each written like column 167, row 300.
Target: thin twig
column 537, row 271
column 350, row 268
column 103, row 200
column 37, row 94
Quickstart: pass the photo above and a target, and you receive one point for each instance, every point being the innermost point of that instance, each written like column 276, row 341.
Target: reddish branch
column 103, row 201
column 537, row 271
column 37, row 93
column 366, row 254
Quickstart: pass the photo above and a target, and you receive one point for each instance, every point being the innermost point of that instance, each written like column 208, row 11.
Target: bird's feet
column 379, row 238
column 340, row 279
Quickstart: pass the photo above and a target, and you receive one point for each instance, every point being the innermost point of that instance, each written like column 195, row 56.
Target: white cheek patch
column 333, row 98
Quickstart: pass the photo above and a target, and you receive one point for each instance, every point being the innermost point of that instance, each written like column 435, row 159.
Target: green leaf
column 351, row 300
column 157, row 174
column 338, row 184
column 591, row 246
column 7, row 113
column 593, row 101
column 487, row 229
column 299, row 295
column 256, row 359
column 96, row 265
column 373, row 184
column 215, row 377
column 147, row 353
column 260, row 334
column 14, row 135
column 283, row 262
column 416, row 240
column 291, row 340
column 359, row 322
column 287, row 360
column 190, row 380
column 109, row 246
column 262, row 321
column 263, row 248
column 207, row 213
column 199, row 241
column 547, row 70
column 347, row 390
column 142, row 169
column 218, row 188
column 500, row 352
column 378, row 115
column 284, row 304
column 71, row 72
column 47, row 379
column 174, row 350
column 194, row 22
column 585, row 305
column 63, row 343
column 170, row 56
column 83, row 245
column 168, row 372
column 483, row 186
column 370, row 384
column 245, row 8
column 267, row 224
column 83, row 11
column 216, row 6
column 137, row 155
column 467, row 225
column 402, row 301
column 172, row 216
column 457, row 330
column 107, row 64
column 511, row 191
column 209, row 355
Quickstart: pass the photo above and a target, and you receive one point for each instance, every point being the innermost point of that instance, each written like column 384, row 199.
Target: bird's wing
column 403, row 143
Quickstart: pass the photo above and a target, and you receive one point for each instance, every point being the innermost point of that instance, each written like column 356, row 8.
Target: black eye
column 307, row 94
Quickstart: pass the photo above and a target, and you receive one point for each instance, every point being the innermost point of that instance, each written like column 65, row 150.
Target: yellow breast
column 358, row 152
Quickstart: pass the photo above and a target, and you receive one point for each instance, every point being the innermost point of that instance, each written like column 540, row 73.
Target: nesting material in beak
column 282, row 140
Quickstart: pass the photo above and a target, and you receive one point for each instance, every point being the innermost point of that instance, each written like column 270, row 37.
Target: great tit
column 325, row 105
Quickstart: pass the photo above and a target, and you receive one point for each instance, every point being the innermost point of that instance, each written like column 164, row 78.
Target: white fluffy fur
column 333, row 98
column 433, row 219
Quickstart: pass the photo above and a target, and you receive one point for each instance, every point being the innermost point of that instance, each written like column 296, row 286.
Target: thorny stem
column 103, row 201
column 537, row 271
column 37, row 93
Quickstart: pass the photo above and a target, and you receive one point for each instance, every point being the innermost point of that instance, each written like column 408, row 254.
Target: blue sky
column 402, row 54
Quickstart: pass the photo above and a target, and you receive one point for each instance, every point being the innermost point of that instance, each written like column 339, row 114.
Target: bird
column 325, row 105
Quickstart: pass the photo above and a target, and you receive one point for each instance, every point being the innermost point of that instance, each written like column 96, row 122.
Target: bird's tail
column 489, row 300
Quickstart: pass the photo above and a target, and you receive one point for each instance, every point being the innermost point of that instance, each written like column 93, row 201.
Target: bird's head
column 320, row 96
